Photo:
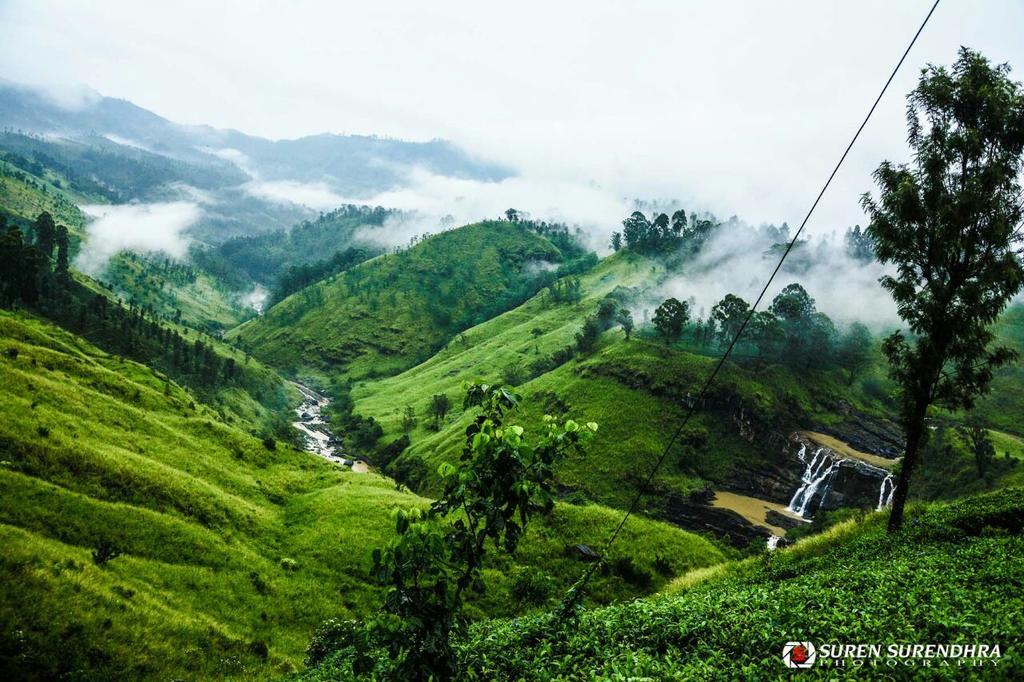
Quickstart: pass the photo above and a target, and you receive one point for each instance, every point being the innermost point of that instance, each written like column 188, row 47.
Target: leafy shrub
column 410, row 470
column 332, row 637
column 105, row 551
column 390, row 452
column 663, row 566
column 259, row 649
column 258, row 583
column 628, row 570
column 513, row 374
column 531, row 587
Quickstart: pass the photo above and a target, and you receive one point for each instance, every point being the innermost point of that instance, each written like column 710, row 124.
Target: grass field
column 203, row 303
column 230, row 552
column 389, row 313
column 635, row 389
column 955, row 573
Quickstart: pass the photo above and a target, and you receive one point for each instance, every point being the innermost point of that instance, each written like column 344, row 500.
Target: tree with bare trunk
column 950, row 223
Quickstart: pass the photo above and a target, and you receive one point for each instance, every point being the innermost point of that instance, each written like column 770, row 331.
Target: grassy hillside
column 1007, row 397
column 176, row 291
column 622, row 385
column 231, row 552
column 166, row 288
column 24, row 196
column 264, row 257
column 834, row 589
column 955, row 573
column 389, row 313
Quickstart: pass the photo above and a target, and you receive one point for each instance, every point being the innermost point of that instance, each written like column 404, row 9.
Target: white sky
column 739, row 107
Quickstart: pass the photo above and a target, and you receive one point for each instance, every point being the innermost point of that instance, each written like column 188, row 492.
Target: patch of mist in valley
column 143, row 228
column 256, row 299
column 430, row 203
column 319, row 195
column 739, row 258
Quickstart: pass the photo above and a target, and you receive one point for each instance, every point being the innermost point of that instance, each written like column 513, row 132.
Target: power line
column 578, row 590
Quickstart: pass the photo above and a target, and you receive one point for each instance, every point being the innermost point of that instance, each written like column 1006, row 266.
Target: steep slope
column 230, row 549
column 1007, row 397
column 954, row 572
column 396, row 310
column 735, row 624
column 737, row 444
column 353, row 165
column 264, row 258
column 23, row 196
column 173, row 289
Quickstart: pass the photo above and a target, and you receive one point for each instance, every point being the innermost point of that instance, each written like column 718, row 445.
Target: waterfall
column 885, row 499
column 773, row 542
column 820, row 469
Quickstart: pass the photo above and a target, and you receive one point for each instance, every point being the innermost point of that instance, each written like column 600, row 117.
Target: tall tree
column 62, row 251
column 981, row 444
column 625, row 320
column 440, row 403
column 635, row 230
column 678, row 222
column 855, row 350
column 859, row 245
column 728, row 315
column 670, row 317
column 616, row 241
column 660, row 227
column 46, row 234
column 951, row 224
column 801, row 327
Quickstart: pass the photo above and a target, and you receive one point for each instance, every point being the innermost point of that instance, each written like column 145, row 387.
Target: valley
column 313, row 408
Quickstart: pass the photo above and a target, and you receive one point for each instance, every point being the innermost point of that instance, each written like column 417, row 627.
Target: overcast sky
column 739, row 107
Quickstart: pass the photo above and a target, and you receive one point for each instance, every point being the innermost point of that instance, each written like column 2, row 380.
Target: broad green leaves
column 502, row 480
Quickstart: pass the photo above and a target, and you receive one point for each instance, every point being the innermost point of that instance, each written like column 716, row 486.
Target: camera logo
column 798, row 654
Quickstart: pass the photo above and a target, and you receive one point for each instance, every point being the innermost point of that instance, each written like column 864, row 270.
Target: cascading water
column 885, row 498
column 821, row 469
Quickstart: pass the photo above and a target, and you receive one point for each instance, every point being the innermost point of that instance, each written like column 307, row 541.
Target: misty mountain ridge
column 275, row 182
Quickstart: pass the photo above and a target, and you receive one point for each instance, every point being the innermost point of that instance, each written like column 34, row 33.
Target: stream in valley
column 316, row 431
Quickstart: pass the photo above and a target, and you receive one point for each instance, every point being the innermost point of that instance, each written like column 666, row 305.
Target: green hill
column 174, row 290
column 265, row 257
column 951, row 577
column 232, row 550
column 389, row 313
column 621, row 384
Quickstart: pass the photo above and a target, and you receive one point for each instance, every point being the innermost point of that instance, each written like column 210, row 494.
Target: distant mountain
column 353, row 163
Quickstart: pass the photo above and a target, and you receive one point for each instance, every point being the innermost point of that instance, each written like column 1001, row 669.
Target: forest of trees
column 34, row 274
column 662, row 233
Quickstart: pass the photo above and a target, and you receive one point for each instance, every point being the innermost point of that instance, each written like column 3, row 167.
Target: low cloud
column 143, row 228
column 318, row 196
column 256, row 298
column 125, row 142
column 187, row 192
column 315, row 195
column 736, row 261
column 733, row 261
column 235, row 156
column 432, row 202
